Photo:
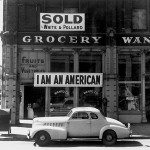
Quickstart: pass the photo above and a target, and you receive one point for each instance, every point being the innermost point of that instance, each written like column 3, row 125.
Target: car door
column 79, row 125
column 96, row 124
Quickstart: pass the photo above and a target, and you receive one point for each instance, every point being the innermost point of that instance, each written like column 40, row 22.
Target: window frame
column 130, row 82
column 72, row 117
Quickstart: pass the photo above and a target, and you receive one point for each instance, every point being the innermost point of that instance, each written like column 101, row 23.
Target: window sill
column 130, row 112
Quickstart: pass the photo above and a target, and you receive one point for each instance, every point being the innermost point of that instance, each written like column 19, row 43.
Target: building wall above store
column 101, row 16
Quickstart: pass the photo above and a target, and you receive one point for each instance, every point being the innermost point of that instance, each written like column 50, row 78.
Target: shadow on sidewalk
column 13, row 137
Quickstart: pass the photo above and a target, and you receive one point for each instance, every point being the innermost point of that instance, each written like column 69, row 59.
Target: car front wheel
column 109, row 138
column 42, row 138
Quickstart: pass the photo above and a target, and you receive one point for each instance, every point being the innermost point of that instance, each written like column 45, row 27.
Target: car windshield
column 69, row 114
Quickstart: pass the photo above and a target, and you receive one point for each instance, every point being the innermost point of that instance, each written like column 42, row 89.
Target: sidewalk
column 18, row 133
column 141, row 130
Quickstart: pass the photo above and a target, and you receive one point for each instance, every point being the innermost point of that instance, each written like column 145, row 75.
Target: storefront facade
column 76, row 59
column 66, row 53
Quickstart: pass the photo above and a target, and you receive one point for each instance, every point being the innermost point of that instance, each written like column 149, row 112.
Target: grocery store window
column 129, row 94
column 90, row 62
column 61, row 96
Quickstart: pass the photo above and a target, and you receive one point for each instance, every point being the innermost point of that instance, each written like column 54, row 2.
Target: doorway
column 147, row 107
column 34, row 96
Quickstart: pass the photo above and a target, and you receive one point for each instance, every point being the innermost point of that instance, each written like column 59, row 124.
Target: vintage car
column 81, row 122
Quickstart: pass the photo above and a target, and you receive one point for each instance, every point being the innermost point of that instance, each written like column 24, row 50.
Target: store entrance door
column 34, row 97
column 147, row 92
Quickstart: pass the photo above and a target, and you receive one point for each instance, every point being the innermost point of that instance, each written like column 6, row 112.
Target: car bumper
column 130, row 133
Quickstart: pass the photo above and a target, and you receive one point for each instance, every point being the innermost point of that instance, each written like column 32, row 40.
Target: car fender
column 54, row 132
column 121, row 132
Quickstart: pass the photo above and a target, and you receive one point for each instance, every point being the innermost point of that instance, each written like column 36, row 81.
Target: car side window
column 75, row 116
column 93, row 116
column 80, row 115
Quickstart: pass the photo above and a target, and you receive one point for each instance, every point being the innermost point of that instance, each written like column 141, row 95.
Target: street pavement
column 19, row 132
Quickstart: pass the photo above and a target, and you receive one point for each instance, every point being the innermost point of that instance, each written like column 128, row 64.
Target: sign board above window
column 68, row 79
column 62, row 22
column 61, row 39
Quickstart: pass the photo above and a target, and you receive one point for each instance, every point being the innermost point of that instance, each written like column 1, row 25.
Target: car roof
column 92, row 109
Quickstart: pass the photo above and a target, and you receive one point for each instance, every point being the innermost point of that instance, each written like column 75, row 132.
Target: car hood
column 51, row 119
column 114, row 122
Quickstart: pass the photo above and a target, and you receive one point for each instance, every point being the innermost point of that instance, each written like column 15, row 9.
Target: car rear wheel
column 109, row 138
column 42, row 138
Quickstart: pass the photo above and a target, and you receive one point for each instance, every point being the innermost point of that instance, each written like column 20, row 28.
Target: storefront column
column 111, row 90
column 11, row 99
column 76, row 70
column 143, row 87
column 47, row 89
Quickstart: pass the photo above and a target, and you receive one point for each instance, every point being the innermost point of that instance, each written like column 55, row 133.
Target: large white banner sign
column 62, row 22
column 68, row 79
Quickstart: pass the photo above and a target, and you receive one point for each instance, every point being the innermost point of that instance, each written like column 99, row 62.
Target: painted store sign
column 70, row 39
column 62, row 22
column 54, row 39
column 31, row 62
column 68, row 79
column 132, row 40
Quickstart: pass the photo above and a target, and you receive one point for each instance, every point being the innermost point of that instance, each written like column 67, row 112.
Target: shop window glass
column 129, row 81
column 130, row 67
column 129, row 96
column 62, row 62
column 90, row 63
column 61, row 97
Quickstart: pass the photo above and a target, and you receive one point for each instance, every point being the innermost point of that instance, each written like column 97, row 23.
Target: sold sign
column 62, row 22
